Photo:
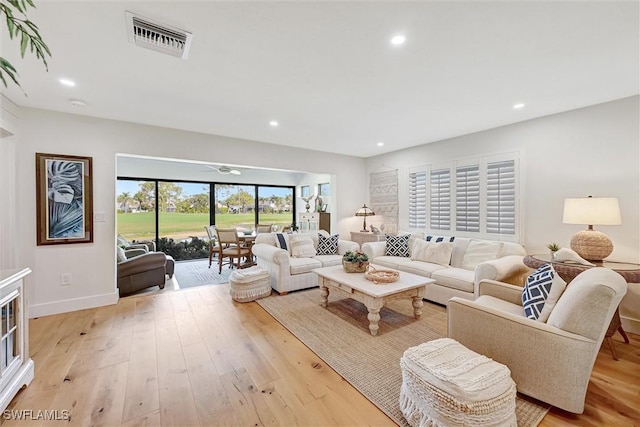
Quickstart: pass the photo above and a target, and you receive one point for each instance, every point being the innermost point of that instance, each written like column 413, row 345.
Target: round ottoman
column 446, row 384
column 249, row 284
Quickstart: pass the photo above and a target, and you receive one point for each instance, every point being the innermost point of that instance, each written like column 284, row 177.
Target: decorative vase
column 355, row 267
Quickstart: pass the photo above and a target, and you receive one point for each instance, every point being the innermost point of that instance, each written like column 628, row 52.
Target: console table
column 361, row 237
column 569, row 270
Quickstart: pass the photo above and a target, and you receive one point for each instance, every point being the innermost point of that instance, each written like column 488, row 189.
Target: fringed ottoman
column 249, row 284
column 446, row 384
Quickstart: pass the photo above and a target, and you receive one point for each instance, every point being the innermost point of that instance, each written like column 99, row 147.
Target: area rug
column 193, row 273
column 340, row 336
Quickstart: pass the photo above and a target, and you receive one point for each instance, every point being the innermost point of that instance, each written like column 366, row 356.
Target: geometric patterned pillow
column 541, row 291
column 328, row 245
column 398, row 245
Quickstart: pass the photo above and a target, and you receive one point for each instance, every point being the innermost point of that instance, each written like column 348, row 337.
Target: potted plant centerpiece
column 553, row 248
column 355, row 262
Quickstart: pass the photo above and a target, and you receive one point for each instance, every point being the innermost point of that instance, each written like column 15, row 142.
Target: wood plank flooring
column 196, row 358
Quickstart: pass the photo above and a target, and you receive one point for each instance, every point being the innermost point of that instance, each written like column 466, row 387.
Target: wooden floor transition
column 195, row 358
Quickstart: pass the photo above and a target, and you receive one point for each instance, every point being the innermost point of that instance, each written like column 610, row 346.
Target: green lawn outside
column 141, row 225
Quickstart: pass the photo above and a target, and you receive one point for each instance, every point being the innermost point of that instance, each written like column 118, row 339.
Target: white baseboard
column 65, row 306
column 630, row 324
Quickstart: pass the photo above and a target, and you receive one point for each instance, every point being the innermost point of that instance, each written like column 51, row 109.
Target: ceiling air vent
column 162, row 38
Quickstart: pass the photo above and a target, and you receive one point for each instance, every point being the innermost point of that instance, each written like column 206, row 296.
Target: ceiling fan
column 225, row 170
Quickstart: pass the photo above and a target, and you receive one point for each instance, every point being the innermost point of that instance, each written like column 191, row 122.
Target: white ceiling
column 326, row 70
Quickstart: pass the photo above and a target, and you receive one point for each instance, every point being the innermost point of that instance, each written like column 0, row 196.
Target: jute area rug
column 339, row 335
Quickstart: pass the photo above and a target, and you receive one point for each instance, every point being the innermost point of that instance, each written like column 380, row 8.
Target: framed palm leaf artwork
column 64, row 199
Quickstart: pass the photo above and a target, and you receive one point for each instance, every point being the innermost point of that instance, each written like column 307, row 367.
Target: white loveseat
column 460, row 277
column 289, row 273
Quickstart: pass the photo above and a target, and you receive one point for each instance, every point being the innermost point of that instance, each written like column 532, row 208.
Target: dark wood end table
column 569, row 270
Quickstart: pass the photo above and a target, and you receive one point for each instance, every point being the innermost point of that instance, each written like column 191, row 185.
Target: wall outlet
column 99, row 217
column 65, row 279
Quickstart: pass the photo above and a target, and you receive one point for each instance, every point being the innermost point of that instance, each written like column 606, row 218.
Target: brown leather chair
column 138, row 269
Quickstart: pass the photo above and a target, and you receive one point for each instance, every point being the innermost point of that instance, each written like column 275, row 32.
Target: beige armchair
column 550, row 361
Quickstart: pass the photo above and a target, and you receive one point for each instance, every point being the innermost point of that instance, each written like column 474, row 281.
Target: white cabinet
column 314, row 221
column 16, row 367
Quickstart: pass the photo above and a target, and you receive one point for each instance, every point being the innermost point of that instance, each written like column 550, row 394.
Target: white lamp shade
column 592, row 211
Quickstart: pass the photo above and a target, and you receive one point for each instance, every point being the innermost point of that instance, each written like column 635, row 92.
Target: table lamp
column 364, row 211
column 591, row 244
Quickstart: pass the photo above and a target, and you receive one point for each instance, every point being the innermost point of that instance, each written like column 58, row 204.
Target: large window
column 136, row 207
column 185, row 208
column 275, row 206
column 474, row 198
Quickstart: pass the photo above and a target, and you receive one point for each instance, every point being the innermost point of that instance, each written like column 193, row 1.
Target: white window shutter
column 468, row 198
column 440, row 201
column 418, row 200
column 501, row 197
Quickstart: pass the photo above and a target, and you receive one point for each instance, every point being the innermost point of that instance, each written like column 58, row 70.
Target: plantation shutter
column 501, row 197
column 440, row 201
column 418, row 200
column 468, row 198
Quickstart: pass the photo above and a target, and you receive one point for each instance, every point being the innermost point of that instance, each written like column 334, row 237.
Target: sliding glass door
column 174, row 213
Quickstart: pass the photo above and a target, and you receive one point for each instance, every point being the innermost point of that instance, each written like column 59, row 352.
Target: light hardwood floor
column 194, row 357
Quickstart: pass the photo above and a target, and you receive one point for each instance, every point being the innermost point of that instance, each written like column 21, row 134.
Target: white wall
column 590, row 151
column 593, row 150
column 92, row 266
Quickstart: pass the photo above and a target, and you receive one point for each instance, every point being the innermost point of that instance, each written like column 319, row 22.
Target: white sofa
column 290, row 273
column 459, row 278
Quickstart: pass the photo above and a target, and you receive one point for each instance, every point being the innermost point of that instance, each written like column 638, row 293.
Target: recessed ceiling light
column 380, row 144
column 397, row 40
column 78, row 103
column 67, row 82
column 273, row 123
column 518, row 106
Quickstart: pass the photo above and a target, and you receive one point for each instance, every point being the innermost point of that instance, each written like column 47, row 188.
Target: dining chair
column 213, row 241
column 230, row 247
column 264, row 228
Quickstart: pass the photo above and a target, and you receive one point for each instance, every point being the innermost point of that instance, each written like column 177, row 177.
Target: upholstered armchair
column 149, row 245
column 550, row 361
column 139, row 269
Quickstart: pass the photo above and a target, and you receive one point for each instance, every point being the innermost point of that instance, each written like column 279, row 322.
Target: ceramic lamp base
column 592, row 245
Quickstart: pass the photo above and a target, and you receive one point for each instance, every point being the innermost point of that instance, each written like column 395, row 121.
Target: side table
column 568, row 271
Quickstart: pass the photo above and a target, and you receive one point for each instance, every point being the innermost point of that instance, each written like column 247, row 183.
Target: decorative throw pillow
column 397, row 245
column 480, row 251
column 301, row 246
column 438, row 239
column 281, row 241
column 437, row 253
column 122, row 256
column 541, row 292
column 328, row 245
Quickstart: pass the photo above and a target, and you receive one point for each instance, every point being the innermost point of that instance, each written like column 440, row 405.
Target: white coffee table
column 372, row 295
